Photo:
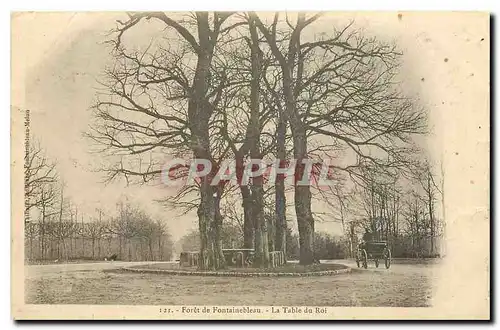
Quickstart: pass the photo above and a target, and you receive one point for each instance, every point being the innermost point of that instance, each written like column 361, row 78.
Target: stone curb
column 237, row 274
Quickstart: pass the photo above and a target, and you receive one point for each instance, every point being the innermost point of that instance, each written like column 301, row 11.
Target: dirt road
column 401, row 285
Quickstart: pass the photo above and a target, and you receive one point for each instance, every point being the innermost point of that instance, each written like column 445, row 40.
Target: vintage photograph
column 225, row 165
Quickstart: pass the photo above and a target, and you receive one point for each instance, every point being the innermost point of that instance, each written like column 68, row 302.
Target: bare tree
column 40, row 189
column 417, row 224
column 287, row 62
column 39, row 175
column 343, row 87
column 170, row 93
column 95, row 230
column 426, row 179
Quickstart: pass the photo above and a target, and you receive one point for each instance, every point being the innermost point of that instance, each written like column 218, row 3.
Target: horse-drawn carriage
column 374, row 250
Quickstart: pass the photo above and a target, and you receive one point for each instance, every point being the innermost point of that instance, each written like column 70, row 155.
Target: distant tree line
column 404, row 210
column 131, row 235
column 55, row 229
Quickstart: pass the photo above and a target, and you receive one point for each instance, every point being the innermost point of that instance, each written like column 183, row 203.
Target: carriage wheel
column 376, row 263
column 387, row 256
column 364, row 255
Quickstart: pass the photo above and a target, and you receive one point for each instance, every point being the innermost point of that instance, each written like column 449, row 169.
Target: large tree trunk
column 261, row 235
column 280, row 201
column 246, row 197
column 248, row 221
column 220, row 261
column 211, row 256
column 271, row 232
column 199, row 112
column 305, row 223
column 305, row 220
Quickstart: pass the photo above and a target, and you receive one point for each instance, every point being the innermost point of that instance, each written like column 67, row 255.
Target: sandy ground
column 403, row 285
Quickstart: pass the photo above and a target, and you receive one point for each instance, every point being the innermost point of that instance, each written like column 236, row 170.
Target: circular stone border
column 238, row 274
